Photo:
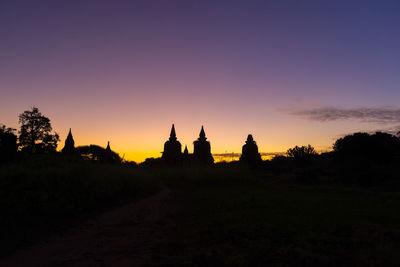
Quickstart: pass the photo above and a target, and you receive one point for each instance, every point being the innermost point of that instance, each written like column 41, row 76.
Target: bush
column 301, row 153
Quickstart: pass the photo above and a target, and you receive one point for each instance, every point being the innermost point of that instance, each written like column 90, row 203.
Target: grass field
column 44, row 195
column 239, row 218
column 227, row 215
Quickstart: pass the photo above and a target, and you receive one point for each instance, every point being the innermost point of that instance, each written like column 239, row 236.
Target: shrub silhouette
column 35, row 133
column 301, row 153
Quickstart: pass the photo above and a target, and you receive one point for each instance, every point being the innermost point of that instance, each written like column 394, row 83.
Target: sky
column 288, row 72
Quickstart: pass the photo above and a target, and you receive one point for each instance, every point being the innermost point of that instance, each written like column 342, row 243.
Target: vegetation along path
column 121, row 237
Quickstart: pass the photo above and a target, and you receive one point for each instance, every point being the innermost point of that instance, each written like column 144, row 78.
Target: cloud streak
column 239, row 154
column 375, row 115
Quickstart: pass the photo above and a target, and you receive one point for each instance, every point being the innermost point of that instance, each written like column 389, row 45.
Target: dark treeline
column 357, row 158
column 36, row 137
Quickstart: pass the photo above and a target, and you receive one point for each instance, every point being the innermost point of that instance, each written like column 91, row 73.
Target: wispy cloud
column 375, row 115
column 239, row 154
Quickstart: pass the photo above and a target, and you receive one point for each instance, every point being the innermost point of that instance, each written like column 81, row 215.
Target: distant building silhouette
column 98, row 153
column 250, row 151
column 186, row 156
column 172, row 148
column 202, row 149
column 69, row 146
column 108, row 154
column 108, row 148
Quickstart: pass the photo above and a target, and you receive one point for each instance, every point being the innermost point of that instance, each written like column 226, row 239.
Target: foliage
column 6, row 130
column 35, row 133
column 378, row 147
column 303, row 152
column 8, row 143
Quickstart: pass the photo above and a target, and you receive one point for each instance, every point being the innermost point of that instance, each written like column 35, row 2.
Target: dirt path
column 121, row 237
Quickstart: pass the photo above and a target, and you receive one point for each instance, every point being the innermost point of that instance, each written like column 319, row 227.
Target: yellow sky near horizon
column 137, row 137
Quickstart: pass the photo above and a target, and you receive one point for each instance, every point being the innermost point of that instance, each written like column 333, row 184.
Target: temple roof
column 250, row 139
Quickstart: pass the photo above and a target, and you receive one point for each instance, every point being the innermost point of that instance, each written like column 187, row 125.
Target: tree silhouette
column 379, row 147
column 35, row 133
column 8, row 143
column 303, row 152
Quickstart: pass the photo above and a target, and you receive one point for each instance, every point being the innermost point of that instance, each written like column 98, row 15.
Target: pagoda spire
column 109, row 155
column 186, row 151
column 172, row 135
column 202, row 135
column 202, row 149
column 69, row 146
column 172, row 153
column 69, row 137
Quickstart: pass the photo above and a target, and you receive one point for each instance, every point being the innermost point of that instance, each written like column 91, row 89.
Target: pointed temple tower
column 250, row 151
column 186, row 156
column 108, row 154
column 172, row 148
column 202, row 149
column 69, row 146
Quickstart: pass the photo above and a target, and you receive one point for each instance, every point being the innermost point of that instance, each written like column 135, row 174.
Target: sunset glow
column 125, row 72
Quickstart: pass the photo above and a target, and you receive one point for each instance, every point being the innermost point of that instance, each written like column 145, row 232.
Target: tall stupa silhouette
column 202, row 149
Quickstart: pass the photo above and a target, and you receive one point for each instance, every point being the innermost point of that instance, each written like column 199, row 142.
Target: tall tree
column 36, row 132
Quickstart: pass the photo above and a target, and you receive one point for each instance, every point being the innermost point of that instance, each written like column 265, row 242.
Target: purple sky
column 124, row 71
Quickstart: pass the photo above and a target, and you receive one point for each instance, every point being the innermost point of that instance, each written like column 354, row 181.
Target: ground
column 229, row 217
column 121, row 237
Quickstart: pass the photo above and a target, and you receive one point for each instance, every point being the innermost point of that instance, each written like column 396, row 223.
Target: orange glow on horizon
column 153, row 149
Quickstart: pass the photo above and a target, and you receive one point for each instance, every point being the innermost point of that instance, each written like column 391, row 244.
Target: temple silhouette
column 91, row 152
column 172, row 153
column 109, row 156
column 69, row 147
column 250, row 151
column 202, row 149
column 172, row 148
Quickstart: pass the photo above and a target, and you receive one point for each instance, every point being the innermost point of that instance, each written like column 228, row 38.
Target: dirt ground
column 121, row 237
